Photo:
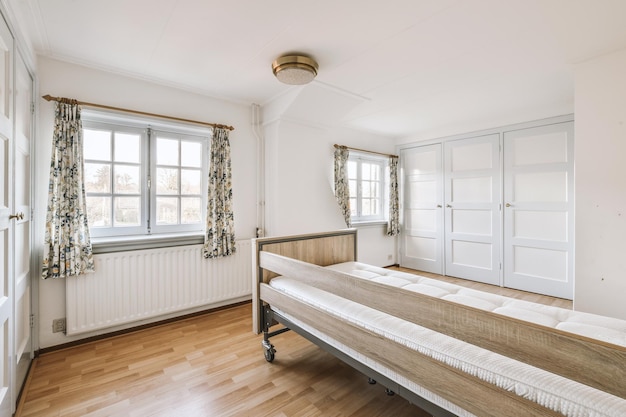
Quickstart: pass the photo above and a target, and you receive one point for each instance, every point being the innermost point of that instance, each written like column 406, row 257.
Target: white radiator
column 139, row 285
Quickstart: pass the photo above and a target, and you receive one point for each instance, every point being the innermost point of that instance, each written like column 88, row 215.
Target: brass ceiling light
column 295, row 69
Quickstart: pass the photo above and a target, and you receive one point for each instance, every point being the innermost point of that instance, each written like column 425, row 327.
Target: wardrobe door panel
column 421, row 244
column 538, row 212
column 472, row 208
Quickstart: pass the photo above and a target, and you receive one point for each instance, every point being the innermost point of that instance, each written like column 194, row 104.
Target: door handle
column 508, row 205
column 448, row 206
column 18, row 216
column 439, row 206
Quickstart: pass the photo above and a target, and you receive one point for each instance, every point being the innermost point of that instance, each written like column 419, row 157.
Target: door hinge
column 32, row 107
column 32, row 321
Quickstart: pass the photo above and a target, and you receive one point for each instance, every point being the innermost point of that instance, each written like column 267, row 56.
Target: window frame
column 180, row 227
column 112, row 230
column 149, row 128
column 383, row 183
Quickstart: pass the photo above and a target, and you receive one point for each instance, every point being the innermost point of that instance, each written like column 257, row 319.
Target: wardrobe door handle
column 448, row 206
column 508, row 205
column 439, row 206
column 18, row 216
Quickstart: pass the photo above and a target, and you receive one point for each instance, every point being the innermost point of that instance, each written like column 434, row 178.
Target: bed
column 448, row 349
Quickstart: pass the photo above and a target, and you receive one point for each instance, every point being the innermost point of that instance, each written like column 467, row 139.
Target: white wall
column 67, row 80
column 299, row 184
column 299, row 181
column 600, row 285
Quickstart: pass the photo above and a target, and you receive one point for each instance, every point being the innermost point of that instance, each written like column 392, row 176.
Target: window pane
column 167, row 151
column 127, row 147
column 366, row 207
column 366, row 189
column 190, row 181
column 191, row 210
column 366, row 171
column 375, row 206
column 375, row 172
column 167, row 210
column 352, row 167
column 191, row 154
column 97, row 178
column 99, row 211
column 97, row 144
column 127, row 179
column 127, row 211
column 167, row 181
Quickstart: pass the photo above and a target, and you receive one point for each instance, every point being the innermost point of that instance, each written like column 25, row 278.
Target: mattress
column 552, row 391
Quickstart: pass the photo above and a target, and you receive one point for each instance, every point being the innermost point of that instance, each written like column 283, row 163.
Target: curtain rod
column 48, row 97
column 363, row 150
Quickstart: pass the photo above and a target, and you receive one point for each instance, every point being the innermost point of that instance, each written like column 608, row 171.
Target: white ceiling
column 411, row 66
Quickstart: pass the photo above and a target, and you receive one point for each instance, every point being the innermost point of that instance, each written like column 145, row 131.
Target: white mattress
column 550, row 390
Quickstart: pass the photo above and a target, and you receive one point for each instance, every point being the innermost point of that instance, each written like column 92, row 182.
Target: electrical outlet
column 58, row 325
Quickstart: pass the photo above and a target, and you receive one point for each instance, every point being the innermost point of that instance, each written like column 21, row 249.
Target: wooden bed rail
column 324, row 248
column 592, row 362
column 466, row 391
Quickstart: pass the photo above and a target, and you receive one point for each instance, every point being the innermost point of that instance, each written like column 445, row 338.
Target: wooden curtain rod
column 363, row 150
column 48, row 97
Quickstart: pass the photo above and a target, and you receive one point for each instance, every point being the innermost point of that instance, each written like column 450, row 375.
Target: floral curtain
column 342, row 188
column 393, row 226
column 219, row 238
column 67, row 244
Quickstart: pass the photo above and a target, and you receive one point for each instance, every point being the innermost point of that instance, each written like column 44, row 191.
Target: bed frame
column 595, row 363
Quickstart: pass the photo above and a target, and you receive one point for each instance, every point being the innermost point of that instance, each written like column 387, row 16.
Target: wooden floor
column 209, row 365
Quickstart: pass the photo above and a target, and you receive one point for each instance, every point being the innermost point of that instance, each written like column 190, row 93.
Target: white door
column 538, row 213
column 23, row 231
column 7, row 222
column 472, row 212
column 422, row 224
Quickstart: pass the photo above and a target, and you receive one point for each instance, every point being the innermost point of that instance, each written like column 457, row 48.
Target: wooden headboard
column 326, row 248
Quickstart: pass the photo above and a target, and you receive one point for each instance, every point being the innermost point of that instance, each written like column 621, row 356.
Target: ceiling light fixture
column 295, row 69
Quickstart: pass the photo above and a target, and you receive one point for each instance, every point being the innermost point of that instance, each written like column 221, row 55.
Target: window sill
column 370, row 223
column 128, row 243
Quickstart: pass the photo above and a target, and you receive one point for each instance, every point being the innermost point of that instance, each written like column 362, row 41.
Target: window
column 143, row 177
column 366, row 177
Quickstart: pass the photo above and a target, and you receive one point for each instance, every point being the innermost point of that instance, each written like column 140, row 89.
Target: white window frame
column 383, row 184
column 147, row 127
column 181, row 137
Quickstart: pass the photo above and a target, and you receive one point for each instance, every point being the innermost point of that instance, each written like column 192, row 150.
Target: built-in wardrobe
column 494, row 207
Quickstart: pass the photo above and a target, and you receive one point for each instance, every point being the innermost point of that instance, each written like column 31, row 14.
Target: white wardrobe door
column 538, row 212
column 7, row 222
column 472, row 208
column 421, row 244
column 23, row 229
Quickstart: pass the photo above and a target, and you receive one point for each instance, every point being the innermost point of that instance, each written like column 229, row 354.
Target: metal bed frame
column 272, row 318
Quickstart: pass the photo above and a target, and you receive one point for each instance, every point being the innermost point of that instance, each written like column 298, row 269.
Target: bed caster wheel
column 389, row 392
column 371, row 381
column 269, row 351
column 269, row 355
